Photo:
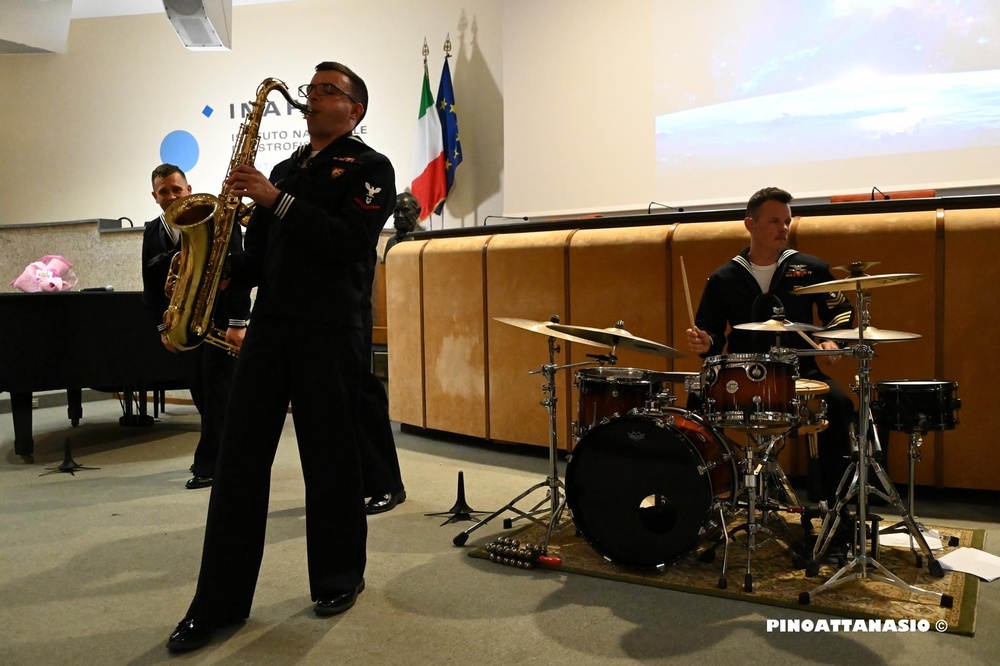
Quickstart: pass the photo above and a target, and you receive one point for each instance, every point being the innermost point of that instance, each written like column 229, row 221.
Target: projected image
column 783, row 83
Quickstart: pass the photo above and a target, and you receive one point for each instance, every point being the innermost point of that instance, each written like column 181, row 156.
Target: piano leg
column 20, row 410
column 140, row 420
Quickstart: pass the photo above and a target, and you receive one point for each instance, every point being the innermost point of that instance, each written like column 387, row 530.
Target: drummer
column 748, row 287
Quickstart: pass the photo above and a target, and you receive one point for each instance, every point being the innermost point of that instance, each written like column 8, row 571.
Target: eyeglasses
column 323, row 89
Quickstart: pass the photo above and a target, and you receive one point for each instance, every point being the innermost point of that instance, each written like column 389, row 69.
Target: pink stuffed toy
column 52, row 272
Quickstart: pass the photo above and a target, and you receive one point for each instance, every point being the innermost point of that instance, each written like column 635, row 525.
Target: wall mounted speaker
column 202, row 25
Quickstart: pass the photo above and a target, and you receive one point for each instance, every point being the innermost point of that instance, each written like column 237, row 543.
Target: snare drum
column 610, row 392
column 750, row 391
column 917, row 405
column 812, row 407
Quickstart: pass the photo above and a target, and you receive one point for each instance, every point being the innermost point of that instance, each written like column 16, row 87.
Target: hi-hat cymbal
column 872, row 334
column 619, row 338
column 859, row 282
column 777, row 326
column 543, row 327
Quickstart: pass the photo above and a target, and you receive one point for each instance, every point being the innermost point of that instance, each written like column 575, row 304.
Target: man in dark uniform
column 742, row 291
column 207, row 370
column 308, row 245
column 383, row 481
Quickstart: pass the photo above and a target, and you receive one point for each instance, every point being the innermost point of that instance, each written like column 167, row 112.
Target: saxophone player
column 307, row 244
column 206, row 370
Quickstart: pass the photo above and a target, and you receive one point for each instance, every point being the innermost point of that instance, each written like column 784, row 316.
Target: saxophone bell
column 206, row 225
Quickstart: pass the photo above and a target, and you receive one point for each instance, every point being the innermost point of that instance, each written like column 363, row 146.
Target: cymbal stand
column 555, row 496
column 864, row 565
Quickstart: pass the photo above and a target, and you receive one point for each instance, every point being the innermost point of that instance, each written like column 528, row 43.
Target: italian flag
column 428, row 158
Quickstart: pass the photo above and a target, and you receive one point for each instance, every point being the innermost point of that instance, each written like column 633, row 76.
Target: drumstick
column 687, row 292
column 809, row 340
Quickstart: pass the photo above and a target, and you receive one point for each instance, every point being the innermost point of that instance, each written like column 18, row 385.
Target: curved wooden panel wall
column 454, row 368
column 526, row 280
column 405, row 331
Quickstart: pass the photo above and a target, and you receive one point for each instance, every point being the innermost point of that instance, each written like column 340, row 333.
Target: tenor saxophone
column 206, row 224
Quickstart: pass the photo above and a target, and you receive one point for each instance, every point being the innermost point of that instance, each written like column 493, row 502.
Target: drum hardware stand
column 916, row 439
column 555, row 489
column 864, row 565
column 765, row 468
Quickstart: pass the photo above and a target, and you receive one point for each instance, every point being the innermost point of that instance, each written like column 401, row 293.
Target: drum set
column 648, row 482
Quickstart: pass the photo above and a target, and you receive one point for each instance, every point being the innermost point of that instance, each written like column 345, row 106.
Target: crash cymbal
column 872, row 334
column 856, row 282
column 777, row 326
column 618, row 337
column 669, row 377
column 543, row 328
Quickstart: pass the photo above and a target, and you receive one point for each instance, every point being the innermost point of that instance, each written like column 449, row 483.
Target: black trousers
column 834, row 443
column 321, row 383
column 379, row 462
column 208, row 373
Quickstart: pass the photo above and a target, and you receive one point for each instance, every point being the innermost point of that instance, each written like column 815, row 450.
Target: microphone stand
column 555, row 489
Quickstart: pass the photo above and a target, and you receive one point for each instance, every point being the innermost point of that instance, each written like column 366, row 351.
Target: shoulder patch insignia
column 372, row 191
column 797, row 270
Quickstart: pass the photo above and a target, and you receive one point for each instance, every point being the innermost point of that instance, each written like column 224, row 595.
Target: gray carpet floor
column 97, row 568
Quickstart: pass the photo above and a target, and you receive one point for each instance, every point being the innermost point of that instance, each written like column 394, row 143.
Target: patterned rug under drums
column 776, row 581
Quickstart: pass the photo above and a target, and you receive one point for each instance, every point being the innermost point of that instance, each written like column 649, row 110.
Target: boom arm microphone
column 884, row 195
column 504, row 217
column 649, row 208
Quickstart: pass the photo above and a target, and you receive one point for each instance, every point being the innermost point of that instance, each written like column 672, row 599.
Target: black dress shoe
column 339, row 603
column 196, row 482
column 190, row 634
column 386, row 502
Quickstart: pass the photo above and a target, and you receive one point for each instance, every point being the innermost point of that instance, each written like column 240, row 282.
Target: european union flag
column 449, row 130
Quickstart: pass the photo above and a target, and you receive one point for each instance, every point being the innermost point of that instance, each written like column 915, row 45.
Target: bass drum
column 643, row 488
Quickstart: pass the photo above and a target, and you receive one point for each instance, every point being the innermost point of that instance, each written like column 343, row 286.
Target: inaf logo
column 271, row 109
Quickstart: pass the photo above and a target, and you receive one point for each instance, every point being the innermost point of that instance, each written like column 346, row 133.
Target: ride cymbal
column 543, row 328
column 618, row 337
column 859, row 282
column 872, row 334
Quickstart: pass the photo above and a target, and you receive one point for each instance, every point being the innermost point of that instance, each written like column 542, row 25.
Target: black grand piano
column 75, row 340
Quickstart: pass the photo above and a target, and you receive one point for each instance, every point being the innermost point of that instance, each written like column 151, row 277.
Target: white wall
column 577, row 131
column 80, row 132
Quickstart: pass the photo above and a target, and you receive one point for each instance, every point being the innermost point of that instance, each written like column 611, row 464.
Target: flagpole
column 426, row 51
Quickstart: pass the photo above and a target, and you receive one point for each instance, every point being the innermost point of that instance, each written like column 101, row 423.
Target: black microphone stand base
column 68, row 464
column 461, row 509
